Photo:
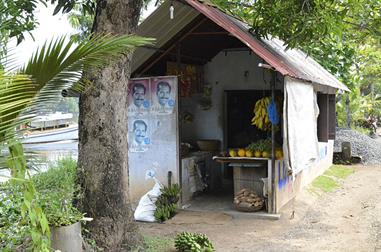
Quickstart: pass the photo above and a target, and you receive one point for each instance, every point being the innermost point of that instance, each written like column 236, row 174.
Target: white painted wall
column 226, row 71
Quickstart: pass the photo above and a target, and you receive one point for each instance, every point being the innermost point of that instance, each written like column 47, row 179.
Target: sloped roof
column 292, row 62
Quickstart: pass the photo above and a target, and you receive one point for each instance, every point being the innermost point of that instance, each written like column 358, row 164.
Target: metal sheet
column 293, row 62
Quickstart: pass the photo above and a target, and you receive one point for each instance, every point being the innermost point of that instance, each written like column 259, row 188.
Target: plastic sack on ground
column 146, row 207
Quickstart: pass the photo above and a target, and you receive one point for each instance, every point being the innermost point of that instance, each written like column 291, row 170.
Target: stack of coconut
column 248, row 201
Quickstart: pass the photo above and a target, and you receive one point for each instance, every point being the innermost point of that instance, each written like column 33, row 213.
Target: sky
column 49, row 27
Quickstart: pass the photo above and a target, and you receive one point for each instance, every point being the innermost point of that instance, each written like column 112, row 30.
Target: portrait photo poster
column 139, row 97
column 139, row 135
column 163, row 94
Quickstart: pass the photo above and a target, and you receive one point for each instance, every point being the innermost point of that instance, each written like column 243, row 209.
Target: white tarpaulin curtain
column 300, row 125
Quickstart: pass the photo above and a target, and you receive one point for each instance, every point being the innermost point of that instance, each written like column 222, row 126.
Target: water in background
column 48, row 152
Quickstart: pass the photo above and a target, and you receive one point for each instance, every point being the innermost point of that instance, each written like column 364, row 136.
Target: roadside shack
column 220, row 112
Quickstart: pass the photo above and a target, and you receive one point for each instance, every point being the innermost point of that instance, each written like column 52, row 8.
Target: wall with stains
column 232, row 70
column 288, row 186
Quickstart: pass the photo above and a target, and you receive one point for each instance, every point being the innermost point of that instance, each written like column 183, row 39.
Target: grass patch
column 339, row 171
column 325, row 184
column 158, row 244
column 330, row 180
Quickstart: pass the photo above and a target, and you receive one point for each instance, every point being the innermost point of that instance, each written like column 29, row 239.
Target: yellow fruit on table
column 249, row 153
column 265, row 154
column 278, row 154
column 233, row 153
column 258, row 154
column 241, row 152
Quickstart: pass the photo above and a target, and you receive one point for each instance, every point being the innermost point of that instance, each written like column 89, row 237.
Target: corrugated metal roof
column 292, row 62
column 159, row 26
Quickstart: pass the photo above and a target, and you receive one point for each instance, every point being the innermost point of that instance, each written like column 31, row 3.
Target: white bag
column 146, row 207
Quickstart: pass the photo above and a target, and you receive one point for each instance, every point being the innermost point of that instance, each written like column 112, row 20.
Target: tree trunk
column 102, row 161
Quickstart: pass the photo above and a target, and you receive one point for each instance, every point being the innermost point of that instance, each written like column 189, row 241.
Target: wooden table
column 247, row 172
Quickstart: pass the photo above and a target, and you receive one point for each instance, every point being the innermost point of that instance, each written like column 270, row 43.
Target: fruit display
column 248, row 201
column 233, row 153
column 278, row 154
column 261, row 118
column 260, row 149
column 193, row 242
column 241, row 153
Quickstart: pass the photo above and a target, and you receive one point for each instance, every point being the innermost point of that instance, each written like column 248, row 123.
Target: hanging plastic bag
column 273, row 113
column 146, row 207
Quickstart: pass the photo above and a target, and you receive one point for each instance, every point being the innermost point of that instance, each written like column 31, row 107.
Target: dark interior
column 196, row 44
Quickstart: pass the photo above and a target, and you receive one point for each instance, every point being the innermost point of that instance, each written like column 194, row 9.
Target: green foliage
column 57, row 191
column 82, row 21
column 343, row 36
column 166, row 204
column 13, row 228
column 54, row 193
column 192, row 242
column 30, row 210
column 54, row 67
column 16, row 18
column 300, row 23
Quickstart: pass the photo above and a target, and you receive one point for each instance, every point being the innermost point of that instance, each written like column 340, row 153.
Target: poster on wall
column 190, row 77
column 139, row 135
column 163, row 92
column 138, row 97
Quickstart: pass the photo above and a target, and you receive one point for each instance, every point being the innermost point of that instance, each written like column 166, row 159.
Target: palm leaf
column 55, row 66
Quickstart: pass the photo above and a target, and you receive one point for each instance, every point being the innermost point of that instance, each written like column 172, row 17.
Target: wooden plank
column 332, row 116
column 322, row 122
column 238, row 159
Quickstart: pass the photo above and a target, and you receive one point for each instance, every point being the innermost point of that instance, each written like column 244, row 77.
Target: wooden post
column 273, row 174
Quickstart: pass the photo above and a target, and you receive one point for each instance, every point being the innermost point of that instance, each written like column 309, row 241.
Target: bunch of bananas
column 166, row 203
column 261, row 118
column 192, row 242
column 165, row 212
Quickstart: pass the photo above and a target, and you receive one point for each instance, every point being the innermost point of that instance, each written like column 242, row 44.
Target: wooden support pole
column 273, row 174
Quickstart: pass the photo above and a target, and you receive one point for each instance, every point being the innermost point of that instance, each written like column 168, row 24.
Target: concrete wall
column 233, row 70
column 287, row 186
column 160, row 155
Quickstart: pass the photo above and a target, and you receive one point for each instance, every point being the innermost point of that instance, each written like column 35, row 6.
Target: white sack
column 301, row 112
column 146, row 207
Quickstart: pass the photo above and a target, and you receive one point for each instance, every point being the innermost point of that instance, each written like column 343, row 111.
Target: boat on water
column 69, row 133
column 51, row 128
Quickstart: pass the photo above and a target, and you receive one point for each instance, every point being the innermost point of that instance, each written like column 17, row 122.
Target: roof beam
column 153, row 62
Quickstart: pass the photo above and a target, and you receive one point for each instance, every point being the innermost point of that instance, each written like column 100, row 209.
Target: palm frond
column 55, row 66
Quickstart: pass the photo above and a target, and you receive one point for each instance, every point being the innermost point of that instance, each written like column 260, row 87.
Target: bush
column 13, row 229
column 56, row 191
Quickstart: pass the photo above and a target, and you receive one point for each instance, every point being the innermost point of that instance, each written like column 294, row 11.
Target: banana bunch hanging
column 261, row 117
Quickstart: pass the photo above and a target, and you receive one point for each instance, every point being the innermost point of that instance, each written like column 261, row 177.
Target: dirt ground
column 347, row 219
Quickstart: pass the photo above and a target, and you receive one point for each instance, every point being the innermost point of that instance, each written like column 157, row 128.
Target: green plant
column 192, row 242
column 166, row 204
column 57, row 191
column 13, row 228
column 24, row 93
column 253, row 147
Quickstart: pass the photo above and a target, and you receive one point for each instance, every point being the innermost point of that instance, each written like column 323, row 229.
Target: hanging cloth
column 273, row 113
